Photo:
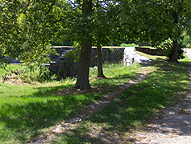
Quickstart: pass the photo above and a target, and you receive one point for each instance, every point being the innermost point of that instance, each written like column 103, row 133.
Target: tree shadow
column 78, row 135
column 45, row 108
column 27, row 118
column 143, row 102
column 28, row 115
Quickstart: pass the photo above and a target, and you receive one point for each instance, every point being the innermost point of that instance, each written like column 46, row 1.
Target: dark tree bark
column 174, row 57
column 84, row 63
column 85, row 54
column 99, row 61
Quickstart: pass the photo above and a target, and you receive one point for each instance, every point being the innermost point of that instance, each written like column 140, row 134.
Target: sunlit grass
column 139, row 104
column 8, row 69
column 28, row 110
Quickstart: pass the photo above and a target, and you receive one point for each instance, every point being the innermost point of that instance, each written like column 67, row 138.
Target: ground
column 173, row 126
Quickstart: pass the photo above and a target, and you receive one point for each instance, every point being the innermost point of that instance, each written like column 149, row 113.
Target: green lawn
column 140, row 103
column 29, row 110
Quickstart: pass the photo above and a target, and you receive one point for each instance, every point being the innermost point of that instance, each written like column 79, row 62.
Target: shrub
column 167, row 45
column 128, row 45
column 37, row 73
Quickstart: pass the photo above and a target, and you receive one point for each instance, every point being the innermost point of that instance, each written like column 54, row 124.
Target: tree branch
column 58, row 20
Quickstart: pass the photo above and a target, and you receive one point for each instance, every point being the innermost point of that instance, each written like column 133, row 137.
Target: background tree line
column 29, row 26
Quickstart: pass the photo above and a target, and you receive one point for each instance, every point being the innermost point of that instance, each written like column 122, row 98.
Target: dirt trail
column 174, row 128
column 72, row 123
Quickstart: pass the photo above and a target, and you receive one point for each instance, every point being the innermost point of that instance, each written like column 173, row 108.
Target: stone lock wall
column 66, row 67
column 130, row 57
column 151, row 51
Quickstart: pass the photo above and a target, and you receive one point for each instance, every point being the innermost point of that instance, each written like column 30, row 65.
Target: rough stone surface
column 66, row 66
column 130, row 57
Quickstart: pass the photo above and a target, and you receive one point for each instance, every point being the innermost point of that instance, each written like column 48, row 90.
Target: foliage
column 186, row 41
column 93, row 71
column 62, row 43
column 167, row 46
column 156, row 20
column 37, row 73
column 28, row 27
column 68, row 81
column 74, row 54
column 128, row 45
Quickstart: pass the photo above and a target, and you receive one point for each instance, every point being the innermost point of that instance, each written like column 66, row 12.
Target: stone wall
column 151, row 51
column 66, row 67
column 130, row 57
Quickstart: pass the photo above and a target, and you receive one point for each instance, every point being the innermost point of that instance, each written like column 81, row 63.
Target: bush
column 186, row 42
column 128, row 45
column 167, row 45
column 37, row 73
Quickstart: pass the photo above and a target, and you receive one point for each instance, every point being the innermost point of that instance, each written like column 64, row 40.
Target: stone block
column 130, row 56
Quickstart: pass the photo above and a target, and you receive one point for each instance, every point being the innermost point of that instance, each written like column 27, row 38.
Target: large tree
column 29, row 25
column 86, row 45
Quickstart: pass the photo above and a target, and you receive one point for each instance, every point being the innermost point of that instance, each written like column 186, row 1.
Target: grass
column 27, row 111
column 12, row 67
column 30, row 110
column 139, row 104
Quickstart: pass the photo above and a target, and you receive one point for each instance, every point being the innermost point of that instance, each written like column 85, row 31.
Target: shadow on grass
column 115, row 81
column 138, row 105
column 144, row 101
column 29, row 115
column 78, row 135
column 23, row 118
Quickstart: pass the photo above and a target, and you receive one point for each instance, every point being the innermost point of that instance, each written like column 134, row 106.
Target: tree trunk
column 84, row 63
column 85, row 54
column 99, row 61
column 174, row 57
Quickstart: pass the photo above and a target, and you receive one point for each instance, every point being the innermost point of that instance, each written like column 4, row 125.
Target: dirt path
column 72, row 123
column 174, row 128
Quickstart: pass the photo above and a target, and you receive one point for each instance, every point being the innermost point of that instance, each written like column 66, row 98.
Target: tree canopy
column 156, row 20
column 28, row 26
